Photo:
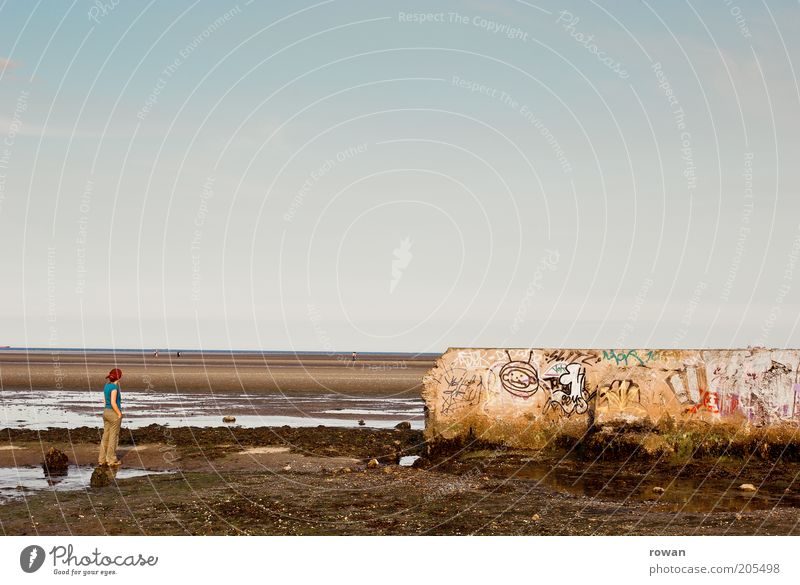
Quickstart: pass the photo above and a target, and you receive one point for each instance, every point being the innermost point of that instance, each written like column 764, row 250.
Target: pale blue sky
column 338, row 175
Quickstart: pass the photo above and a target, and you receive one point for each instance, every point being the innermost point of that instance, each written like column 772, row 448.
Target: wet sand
column 378, row 374
column 250, row 478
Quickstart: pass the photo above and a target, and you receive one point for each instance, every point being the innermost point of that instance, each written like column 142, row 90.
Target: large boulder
column 55, row 462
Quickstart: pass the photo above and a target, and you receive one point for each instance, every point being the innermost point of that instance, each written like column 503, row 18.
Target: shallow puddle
column 18, row 482
column 607, row 482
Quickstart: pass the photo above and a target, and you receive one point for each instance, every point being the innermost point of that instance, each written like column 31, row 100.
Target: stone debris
column 55, row 462
column 747, row 487
column 373, row 464
column 102, row 476
column 229, row 419
column 658, row 490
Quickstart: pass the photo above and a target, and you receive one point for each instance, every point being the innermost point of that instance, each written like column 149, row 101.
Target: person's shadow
column 123, row 452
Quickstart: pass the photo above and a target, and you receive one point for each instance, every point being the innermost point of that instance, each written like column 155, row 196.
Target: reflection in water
column 55, row 477
column 16, row 482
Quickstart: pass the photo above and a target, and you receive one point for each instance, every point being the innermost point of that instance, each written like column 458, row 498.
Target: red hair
column 114, row 375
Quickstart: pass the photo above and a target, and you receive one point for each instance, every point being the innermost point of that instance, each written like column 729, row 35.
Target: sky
column 399, row 176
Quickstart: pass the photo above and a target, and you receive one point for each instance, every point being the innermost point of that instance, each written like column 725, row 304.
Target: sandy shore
column 371, row 374
column 287, row 480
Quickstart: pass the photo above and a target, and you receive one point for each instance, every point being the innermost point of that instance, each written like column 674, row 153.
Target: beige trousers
column 108, row 446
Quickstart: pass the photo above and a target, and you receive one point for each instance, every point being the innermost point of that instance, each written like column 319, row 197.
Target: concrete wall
column 508, row 395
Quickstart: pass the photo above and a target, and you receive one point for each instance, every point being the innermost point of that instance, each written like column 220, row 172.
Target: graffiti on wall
column 629, row 357
column 762, row 386
column 708, row 403
column 621, row 396
column 462, row 388
column 568, row 390
column 520, row 378
column 579, row 356
column 688, row 384
column 566, row 383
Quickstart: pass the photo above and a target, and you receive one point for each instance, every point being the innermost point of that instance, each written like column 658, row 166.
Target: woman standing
column 112, row 419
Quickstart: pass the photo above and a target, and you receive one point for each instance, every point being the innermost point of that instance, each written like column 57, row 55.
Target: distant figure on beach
column 155, row 353
column 179, row 354
column 354, row 357
column 112, row 419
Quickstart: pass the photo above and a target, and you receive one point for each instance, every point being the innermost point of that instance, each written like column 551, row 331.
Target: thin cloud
column 8, row 64
column 23, row 127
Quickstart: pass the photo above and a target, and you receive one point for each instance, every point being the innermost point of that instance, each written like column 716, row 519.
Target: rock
column 747, row 487
column 787, row 491
column 229, row 419
column 347, row 470
column 55, row 462
column 403, row 426
column 373, row 464
column 536, row 517
column 408, row 460
column 738, row 516
column 101, row 477
column 387, row 470
column 420, row 463
column 658, row 490
column 287, row 468
column 361, row 422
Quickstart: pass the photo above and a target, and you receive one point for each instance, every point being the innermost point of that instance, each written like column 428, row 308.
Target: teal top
column 107, row 392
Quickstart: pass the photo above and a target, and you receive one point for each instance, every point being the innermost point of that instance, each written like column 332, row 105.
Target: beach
column 315, row 481
column 320, row 444
column 376, row 374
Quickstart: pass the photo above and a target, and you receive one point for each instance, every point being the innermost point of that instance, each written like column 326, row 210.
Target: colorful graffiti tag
column 525, row 385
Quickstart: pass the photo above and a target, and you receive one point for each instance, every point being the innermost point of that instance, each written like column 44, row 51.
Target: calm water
column 17, row 482
column 607, row 482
